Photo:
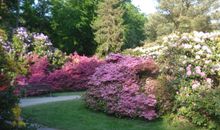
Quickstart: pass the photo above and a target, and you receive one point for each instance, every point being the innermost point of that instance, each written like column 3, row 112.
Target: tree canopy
column 181, row 16
column 89, row 26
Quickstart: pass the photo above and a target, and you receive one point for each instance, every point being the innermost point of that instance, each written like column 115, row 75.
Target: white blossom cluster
column 153, row 51
column 200, row 51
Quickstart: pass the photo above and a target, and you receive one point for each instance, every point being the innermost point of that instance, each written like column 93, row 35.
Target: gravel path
column 42, row 100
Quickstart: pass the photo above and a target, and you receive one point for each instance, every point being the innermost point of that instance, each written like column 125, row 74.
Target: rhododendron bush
column 124, row 86
column 191, row 65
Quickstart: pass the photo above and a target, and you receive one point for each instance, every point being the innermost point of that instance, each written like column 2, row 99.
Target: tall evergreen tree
column 108, row 26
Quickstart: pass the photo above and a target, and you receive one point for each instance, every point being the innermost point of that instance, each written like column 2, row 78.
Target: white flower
column 195, row 85
column 184, row 62
column 185, row 38
column 208, row 55
column 187, row 46
column 200, row 52
column 206, row 48
column 197, row 57
column 198, row 40
column 209, row 81
column 216, row 67
column 197, row 46
column 181, row 69
column 198, row 34
column 207, row 61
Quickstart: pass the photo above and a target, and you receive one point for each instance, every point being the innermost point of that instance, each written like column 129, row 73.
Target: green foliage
column 7, row 64
column 8, row 11
column 200, row 106
column 58, row 58
column 9, row 111
column 134, row 26
column 35, row 16
column 108, row 26
column 70, row 24
column 165, row 93
column 181, row 16
column 18, row 55
column 8, row 101
column 216, row 20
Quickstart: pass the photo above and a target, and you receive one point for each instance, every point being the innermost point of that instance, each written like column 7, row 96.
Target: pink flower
column 189, row 67
column 209, row 81
column 198, row 69
column 202, row 74
column 189, row 73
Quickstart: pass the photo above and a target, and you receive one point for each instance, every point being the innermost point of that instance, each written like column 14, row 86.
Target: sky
column 146, row 6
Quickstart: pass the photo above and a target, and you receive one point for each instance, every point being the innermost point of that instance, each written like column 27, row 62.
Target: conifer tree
column 108, row 26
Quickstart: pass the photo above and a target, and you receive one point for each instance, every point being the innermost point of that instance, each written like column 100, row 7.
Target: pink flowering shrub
column 39, row 71
column 35, row 82
column 72, row 76
column 118, row 87
column 74, row 73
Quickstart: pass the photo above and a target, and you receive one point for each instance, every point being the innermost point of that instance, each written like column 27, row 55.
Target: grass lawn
column 67, row 93
column 72, row 115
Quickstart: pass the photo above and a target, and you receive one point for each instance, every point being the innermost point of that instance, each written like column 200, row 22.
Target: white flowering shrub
column 197, row 53
column 193, row 60
column 190, row 65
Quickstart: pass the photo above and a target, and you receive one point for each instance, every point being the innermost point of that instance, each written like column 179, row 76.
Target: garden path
column 25, row 102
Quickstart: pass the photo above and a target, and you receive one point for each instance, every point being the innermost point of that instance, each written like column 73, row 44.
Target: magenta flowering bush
column 74, row 74
column 38, row 71
column 120, row 87
column 35, row 82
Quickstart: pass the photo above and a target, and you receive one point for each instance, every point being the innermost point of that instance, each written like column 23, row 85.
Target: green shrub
column 9, row 109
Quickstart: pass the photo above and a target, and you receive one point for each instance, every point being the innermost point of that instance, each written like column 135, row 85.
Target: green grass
column 67, row 93
column 72, row 115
